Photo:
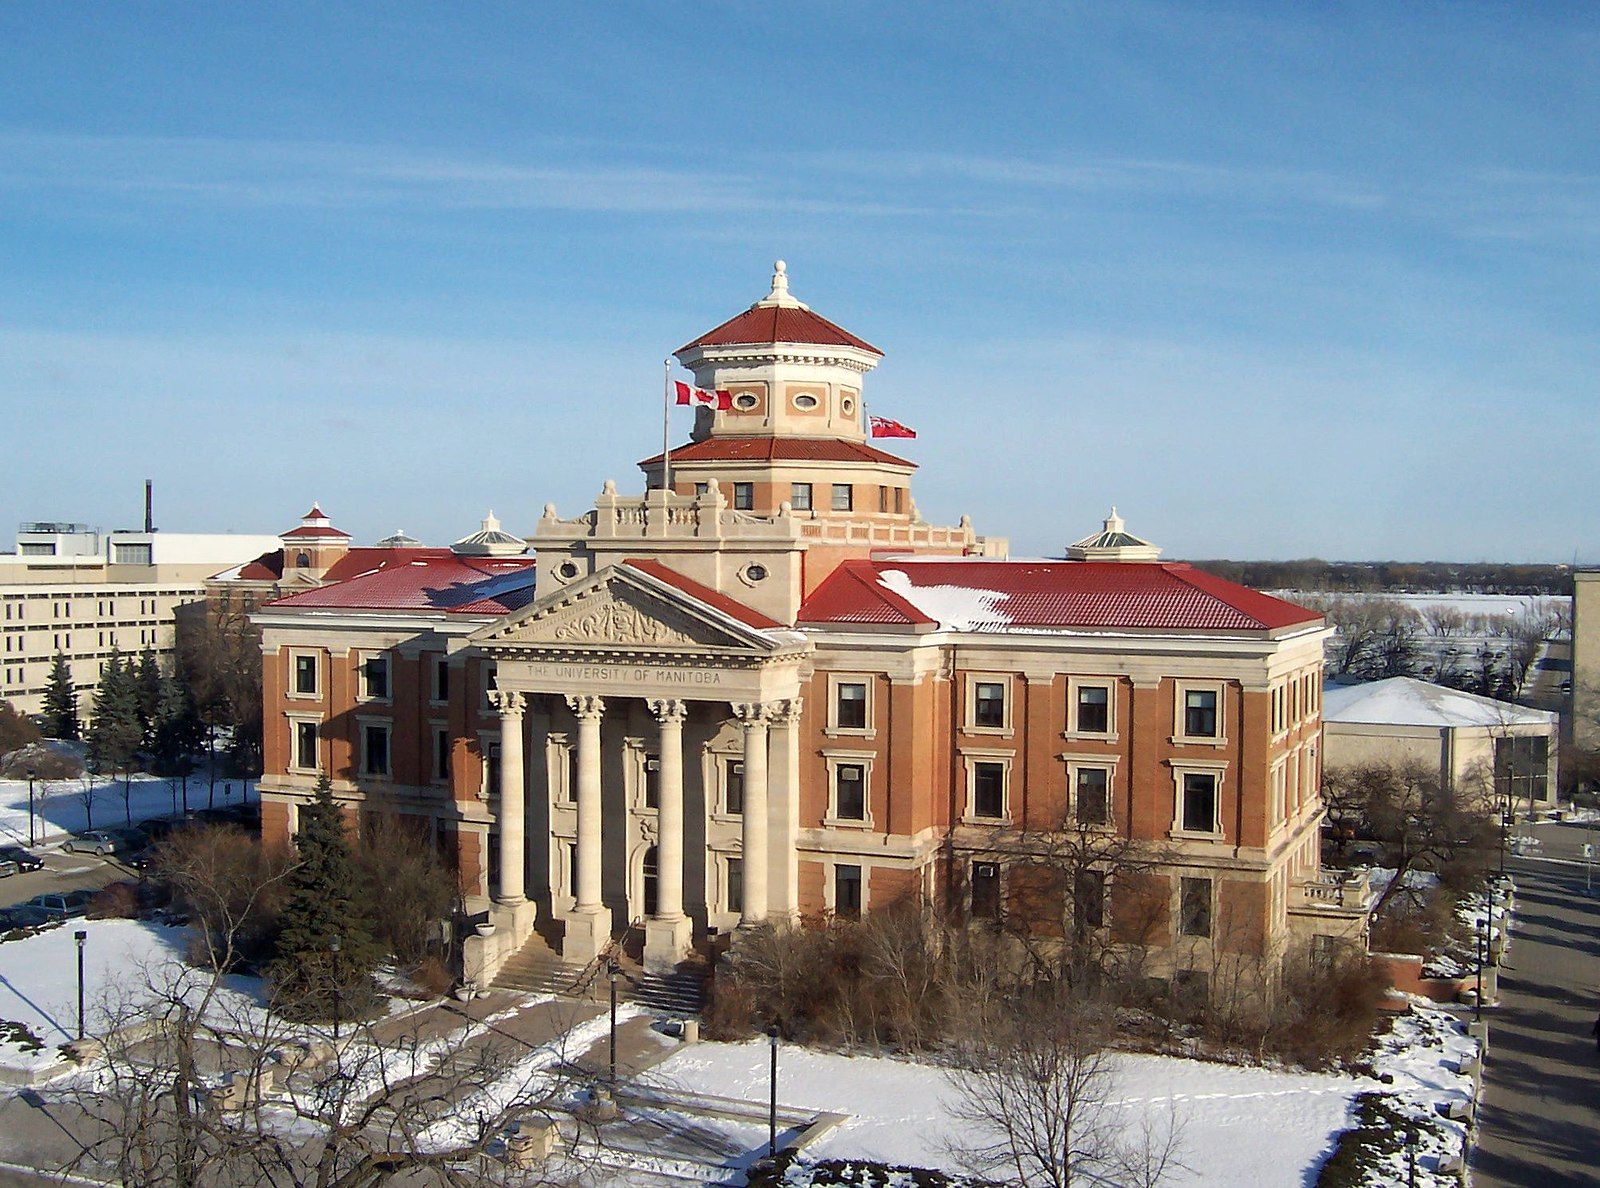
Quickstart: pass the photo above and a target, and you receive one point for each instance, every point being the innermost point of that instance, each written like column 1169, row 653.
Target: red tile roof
column 420, row 580
column 762, row 324
column 780, row 449
column 266, row 568
column 705, row 594
column 981, row 595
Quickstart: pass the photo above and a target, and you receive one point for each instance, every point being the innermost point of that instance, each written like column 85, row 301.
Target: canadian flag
column 884, row 427
column 687, row 395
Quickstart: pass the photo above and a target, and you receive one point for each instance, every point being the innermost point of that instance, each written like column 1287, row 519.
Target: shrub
column 432, row 975
column 119, row 901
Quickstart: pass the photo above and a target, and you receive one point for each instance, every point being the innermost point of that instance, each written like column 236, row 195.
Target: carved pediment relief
column 613, row 613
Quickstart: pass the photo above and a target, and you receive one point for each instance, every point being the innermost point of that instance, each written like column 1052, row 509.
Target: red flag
column 699, row 396
column 884, row 427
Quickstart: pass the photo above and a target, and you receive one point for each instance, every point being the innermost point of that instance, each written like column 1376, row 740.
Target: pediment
column 619, row 608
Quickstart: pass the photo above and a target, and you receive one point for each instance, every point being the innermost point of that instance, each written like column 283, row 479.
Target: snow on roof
column 954, row 608
column 1406, row 701
column 423, row 579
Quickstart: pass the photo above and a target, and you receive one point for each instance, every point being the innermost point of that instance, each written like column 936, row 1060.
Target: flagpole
column 666, row 423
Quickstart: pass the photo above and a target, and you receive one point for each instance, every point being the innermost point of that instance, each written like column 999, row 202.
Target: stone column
column 667, row 934
column 783, row 814
column 589, row 926
column 753, row 850
column 513, row 808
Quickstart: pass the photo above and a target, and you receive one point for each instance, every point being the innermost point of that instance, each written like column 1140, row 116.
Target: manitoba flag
column 882, row 427
column 687, row 395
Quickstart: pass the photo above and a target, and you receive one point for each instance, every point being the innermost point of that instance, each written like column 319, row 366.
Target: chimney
column 149, row 523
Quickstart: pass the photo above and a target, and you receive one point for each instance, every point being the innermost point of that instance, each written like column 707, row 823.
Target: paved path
column 1540, row 1121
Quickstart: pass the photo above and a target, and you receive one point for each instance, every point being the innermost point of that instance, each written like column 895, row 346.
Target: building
column 1462, row 738
column 81, row 592
column 1583, row 694
column 766, row 689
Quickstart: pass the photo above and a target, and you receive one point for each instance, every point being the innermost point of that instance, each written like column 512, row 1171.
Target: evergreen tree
column 177, row 733
column 147, row 684
column 116, row 733
column 325, row 949
column 60, row 701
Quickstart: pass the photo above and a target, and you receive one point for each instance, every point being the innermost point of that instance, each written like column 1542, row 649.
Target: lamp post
column 32, row 771
column 772, row 1097
column 80, row 936
column 335, row 947
column 1505, row 829
column 1477, row 1002
column 613, row 973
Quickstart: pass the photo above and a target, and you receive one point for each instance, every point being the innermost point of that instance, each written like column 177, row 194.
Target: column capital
column 668, row 709
column 752, row 713
column 785, row 712
column 508, row 702
column 587, row 705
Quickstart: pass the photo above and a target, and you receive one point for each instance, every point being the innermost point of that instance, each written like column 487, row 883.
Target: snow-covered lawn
column 1253, row 1126
column 63, row 806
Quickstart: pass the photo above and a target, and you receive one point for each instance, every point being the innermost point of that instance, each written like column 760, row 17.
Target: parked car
column 22, row 916
column 61, row 905
column 95, row 841
column 26, row 860
column 7, row 868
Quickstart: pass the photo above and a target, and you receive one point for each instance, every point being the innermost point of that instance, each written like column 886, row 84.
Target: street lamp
column 80, row 936
column 1477, row 1002
column 334, row 947
column 32, row 771
column 772, row 1100
column 613, row 972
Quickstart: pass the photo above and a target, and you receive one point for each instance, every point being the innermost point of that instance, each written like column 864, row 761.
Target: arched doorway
column 649, row 881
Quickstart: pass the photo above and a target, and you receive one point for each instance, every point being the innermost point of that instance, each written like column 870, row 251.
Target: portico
column 578, row 672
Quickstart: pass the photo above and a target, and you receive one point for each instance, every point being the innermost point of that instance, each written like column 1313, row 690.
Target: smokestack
column 149, row 522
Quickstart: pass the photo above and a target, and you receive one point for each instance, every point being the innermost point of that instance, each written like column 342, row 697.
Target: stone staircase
column 538, row 969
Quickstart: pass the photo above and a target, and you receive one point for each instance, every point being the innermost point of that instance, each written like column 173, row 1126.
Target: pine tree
column 325, row 949
column 146, row 679
column 177, row 732
column 116, row 733
column 60, row 701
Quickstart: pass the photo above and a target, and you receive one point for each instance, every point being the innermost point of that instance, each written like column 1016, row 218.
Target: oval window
column 567, row 570
column 847, row 406
column 805, row 401
column 755, row 573
column 745, row 401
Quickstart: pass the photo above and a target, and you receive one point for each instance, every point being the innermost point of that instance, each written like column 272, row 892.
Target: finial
column 780, row 288
column 491, row 523
column 549, row 511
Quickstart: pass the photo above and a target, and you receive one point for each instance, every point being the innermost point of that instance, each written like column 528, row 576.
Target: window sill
column 1193, row 835
column 862, row 732
column 990, row 731
column 991, row 821
column 848, row 823
column 723, row 817
column 1095, row 826
column 1088, row 736
column 1184, row 740
column 303, row 696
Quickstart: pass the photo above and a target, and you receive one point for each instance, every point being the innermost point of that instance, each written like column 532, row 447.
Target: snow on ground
column 63, row 806
column 1507, row 606
column 1245, row 1125
column 39, row 978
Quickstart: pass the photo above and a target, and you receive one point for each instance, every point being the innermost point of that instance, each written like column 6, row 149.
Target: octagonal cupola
column 1113, row 543
column 788, row 370
column 490, row 540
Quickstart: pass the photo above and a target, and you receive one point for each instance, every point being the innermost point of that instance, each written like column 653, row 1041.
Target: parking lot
column 63, row 872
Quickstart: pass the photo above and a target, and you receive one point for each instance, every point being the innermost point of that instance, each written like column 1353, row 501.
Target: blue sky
column 1278, row 280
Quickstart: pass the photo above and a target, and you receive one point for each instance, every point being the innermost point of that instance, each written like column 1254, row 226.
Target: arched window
column 303, row 560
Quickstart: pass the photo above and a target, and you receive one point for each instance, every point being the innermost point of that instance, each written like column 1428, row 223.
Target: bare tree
column 1037, row 1087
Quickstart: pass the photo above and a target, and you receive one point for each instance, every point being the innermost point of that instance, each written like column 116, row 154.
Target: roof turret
column 490, row 541
column 1113, row 543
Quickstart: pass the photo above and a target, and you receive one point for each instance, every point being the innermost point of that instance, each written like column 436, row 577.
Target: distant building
column 1583, row 696
column 1462, row 736
column 73, row 589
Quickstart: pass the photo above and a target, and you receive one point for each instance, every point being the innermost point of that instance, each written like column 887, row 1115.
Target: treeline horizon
column 1395, row 577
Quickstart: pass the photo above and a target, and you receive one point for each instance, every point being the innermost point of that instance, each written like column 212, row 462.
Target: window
column 1199, row 802
column 1200, row 713
column 649, row 876
column 843, row 497
column 491, row 770
column 850, row 792
column 899, row 499
column 571, row 789
column 986, row 890
column 1522, row 767
column 441, row 755
column 305, row 674
column 305, row 745
column 850, row 705
column 989, row 790
column 572, row 867
column 701, row 488
column 1094, row 709
column 744, row 496
column 736, row 884
column 441, row 680
column 989, row 705
column 1089, row 900
column 375, row 678
column 883, row 499
column 1194, row 907
column 375, row 750
column 733, row 786
column 1093, row 796
column 847, row 890
column 652, row 781
column 302, row 560
column 800, row 496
